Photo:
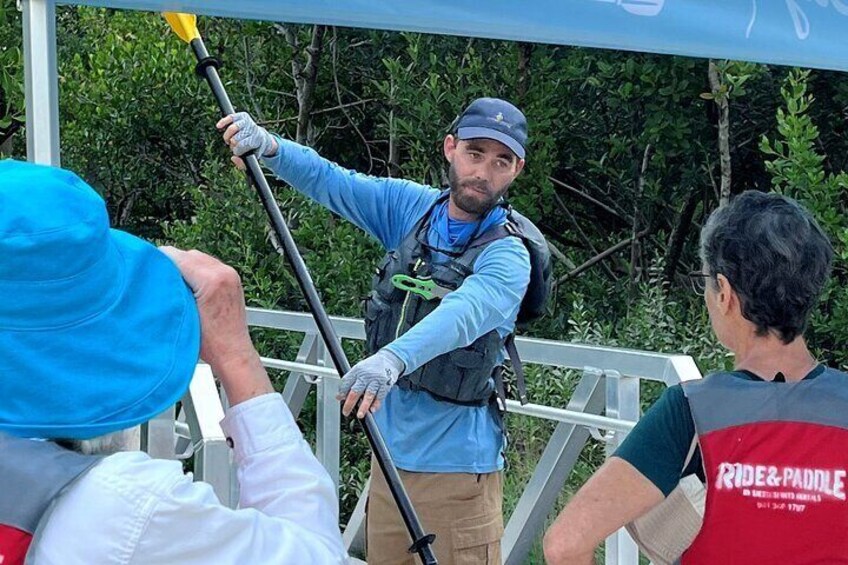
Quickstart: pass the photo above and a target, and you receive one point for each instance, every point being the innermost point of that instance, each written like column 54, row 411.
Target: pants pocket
column 478, row 540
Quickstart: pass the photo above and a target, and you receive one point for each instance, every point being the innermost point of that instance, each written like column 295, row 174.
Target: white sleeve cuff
column 258, row 424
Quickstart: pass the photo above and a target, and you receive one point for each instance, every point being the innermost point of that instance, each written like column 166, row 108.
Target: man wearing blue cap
column 99, row 333
column 444, row 300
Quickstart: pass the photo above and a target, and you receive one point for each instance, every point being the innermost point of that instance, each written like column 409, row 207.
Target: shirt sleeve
column 288, row 512
column 659, row 443
column 488, row 299
column 385, row 208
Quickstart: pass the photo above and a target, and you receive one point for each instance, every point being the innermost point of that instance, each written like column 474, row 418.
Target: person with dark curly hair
column 767, row 440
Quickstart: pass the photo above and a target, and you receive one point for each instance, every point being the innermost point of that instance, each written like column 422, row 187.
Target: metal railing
column 605, row 405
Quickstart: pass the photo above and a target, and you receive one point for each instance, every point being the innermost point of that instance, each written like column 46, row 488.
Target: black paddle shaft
column 421, row 541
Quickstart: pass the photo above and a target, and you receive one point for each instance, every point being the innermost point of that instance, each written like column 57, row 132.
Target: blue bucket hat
column 493, row 118
column 98, row 330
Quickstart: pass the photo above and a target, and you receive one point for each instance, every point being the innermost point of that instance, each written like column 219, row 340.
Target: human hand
column 225, row 341
column 242, row 134
column 373, row 376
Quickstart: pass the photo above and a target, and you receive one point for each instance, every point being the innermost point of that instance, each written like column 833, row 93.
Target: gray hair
column 128, row 439
column 775, row 256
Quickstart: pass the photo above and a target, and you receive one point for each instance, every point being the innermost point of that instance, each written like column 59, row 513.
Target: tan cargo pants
column 462, row 509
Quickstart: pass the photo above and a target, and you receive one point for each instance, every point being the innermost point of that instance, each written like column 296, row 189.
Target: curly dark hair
column 775, row 256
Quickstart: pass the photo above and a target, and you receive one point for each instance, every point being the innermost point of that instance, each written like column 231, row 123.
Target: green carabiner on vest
column 426, row 288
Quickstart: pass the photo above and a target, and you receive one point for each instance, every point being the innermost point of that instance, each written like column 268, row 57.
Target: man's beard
column 468, row 199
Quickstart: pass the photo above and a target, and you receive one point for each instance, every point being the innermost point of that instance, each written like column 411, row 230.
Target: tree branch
column 601, row 256
column 679, row 233
column 560, row 255
column 316, row 112
column 720, row 97
column 305, row 81
column 635, row 248
column 257, row 111
column 339, row 100
column 525, row 52
column 7, row 136
column 580, row 232
column 394, row 150
column 589, row 199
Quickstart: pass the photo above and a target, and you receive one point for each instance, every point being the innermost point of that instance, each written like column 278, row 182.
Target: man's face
column 481, row 171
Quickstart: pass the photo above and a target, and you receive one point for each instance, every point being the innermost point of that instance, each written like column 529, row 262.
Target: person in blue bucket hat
column 100, row 332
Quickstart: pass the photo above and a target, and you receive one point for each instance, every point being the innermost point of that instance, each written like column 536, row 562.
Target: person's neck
column 766, row 356
column 457, row 213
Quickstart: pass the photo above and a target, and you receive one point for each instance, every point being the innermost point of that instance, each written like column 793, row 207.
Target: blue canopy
column 806, row 33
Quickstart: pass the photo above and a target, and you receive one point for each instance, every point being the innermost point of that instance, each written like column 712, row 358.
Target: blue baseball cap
column 493, row 118
column 98, row 330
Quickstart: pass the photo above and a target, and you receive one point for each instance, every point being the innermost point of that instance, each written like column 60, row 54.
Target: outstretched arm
column 385, row 208
column 487, row 300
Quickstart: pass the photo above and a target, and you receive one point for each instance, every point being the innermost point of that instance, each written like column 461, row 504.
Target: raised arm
column 288, row 508
column 148, row 511
column 385, row 208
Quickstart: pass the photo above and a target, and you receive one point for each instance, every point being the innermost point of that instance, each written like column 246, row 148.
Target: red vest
column 776, row 463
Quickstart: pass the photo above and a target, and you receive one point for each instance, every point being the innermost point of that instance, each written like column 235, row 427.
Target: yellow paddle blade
column 184, row 25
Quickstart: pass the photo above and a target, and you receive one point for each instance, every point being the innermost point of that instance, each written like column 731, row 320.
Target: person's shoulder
column 831, row 372
column 718, row 378
column 414, row 198
column 671, row 406
column 511, row 243
column 673, row 398
column 113, row 494
column 133, row 472
column 502, row 253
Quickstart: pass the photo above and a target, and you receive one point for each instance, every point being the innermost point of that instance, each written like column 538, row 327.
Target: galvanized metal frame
column 613, row 390
column 203, row 411
column 555, row 465
column 195, row 433
column 610, row 384
column 41, row 81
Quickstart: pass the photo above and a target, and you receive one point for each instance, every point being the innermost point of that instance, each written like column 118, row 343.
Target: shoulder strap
column 34, row 473
column 492, row 234
column 424, row 221
column 691, row 453
column 517, row 366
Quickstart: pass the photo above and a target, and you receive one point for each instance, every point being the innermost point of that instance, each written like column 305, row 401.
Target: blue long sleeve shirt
column 424, row 434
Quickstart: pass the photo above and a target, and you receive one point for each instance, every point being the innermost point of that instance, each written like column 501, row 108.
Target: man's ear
column 519, row 166
column 449, row 147
column 726, row 297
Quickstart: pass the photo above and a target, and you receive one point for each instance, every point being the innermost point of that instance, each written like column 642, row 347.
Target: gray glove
column 251, row 136
column 375, row 374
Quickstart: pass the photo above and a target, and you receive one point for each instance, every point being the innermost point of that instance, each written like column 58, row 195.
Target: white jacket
column 131, row 509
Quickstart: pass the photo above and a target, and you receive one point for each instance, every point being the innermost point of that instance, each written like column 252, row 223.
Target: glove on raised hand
column 251, row 136
column 376, row 375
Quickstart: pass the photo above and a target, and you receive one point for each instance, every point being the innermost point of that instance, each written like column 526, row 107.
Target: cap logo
column 499, row 119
